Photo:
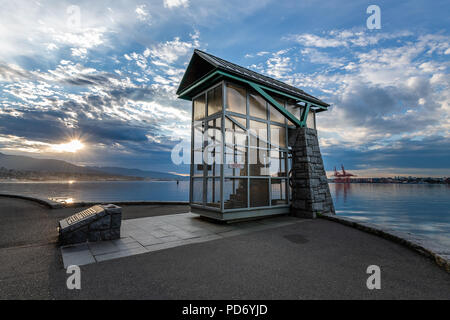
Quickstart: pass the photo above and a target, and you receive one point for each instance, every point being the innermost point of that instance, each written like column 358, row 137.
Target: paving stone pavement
column 162, row 232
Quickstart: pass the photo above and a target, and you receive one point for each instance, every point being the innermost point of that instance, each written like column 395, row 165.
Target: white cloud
column 344, row 38
column 279, row 66
column 316, row 56
column 84, row 38
column 176, row 3
column 142, row 12
column 16, row 143
column 259, row 54
column 311, row 40
column 169, row 51
column 52, row 46
column 79, row 52
column 379, row 95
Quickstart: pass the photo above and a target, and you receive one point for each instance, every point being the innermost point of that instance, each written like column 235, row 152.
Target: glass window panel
column 278, row 163
column 199, row 107
column 235, row 161
column 278, row 136
column 235, row 134
column 213, row 192
column 213, row 168
column 235, row 193
column 301, row 109
column 258, row 134
column 197, row 190
column 214, row 134
column 213, row 149
column 198, row 163
column 198, row 135
column 214, row 127
column 279, row 193
column 236, row 99
column 259, row 192
column 257, row 106
column 198, row 148
column 215, row 100
column 241, row 121
column 276, row 115
column 310, row 123
column 295, row 110
column 259, row 162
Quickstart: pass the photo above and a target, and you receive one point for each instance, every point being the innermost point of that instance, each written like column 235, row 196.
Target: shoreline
column 69, row 181
column 58, row 205
column 425, row 247
column 401, row 183
column 84, row 181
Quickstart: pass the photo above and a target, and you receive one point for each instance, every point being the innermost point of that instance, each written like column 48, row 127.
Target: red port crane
column 343, row 176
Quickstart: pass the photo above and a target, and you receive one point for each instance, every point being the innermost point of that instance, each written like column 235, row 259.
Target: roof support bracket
column 273, row 102
column 304, row 116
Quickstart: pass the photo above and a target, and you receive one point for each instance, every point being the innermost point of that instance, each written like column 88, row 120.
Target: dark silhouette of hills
column 24, row 163
column 18, row 165
column 138, row 173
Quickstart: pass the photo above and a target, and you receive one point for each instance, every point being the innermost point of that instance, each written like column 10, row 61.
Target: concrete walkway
column 162, row 232
column 314, row 259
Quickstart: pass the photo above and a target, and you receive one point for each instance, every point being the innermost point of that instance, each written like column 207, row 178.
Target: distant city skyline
column 93, row 83
column 392, row 173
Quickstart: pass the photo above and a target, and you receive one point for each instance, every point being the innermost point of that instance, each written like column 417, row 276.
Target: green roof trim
column 204, row 66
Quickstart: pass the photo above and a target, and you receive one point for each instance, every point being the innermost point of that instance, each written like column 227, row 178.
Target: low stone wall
column 46, row 202
column 58, row 205
column 100, row 222
column 125, row 203
column 310, row 191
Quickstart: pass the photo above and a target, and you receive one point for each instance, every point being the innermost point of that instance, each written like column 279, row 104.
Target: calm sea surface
column 420, row 209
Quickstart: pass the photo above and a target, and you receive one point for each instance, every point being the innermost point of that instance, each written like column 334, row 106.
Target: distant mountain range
column 138, row 173
column 52, row 166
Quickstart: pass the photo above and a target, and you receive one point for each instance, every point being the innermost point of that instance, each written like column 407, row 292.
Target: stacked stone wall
column 310, row 191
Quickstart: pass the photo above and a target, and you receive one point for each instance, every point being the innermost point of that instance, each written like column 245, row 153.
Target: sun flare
column 71, row 146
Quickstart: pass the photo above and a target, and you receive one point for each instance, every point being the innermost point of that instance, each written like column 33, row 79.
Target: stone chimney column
column 310, row 191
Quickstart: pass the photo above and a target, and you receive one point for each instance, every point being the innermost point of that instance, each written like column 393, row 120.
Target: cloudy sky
column 105, row 73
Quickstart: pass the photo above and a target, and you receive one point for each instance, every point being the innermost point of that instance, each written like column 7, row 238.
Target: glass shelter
column 240, row 157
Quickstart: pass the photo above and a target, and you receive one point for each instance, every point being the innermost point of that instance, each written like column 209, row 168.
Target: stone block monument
column 100, row 222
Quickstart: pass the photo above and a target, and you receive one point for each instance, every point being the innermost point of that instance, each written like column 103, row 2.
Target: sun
column 71, row 146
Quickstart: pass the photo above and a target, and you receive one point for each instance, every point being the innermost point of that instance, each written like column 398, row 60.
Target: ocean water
column 102, row 190
column 419, row 209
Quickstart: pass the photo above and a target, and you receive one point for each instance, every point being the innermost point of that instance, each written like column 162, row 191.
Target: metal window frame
column 228, row 114
column 206, row 119
column 267, row 122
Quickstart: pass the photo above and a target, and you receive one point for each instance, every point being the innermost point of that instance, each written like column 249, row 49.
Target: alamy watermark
column 374, row 280
column 374, row 20
column 74, row 280
column 73, row 17
column 208, row 147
